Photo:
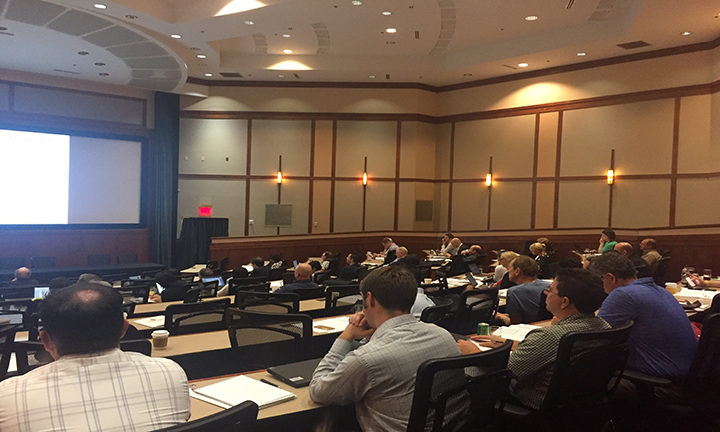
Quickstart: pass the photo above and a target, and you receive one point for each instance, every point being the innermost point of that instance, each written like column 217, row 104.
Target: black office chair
column 135, row 293
column 249, row 328
column 257, row 287
column 7, row 340
column 115, row 277
column 267, row 302
column 442, row 314
column 209, row 289
column 311, row 293
column 136, row 282
column 238, row 418
column 212, row 265
column 196, row 317
column 142, row 346
column 98, row 259
column 447, row 399
column 476, row 306
column 347, row 295
column 192, row 292
column 42, row 261
column 127, row 258
column 435, row 288
column 277, row 274
column 660, row 270
column 224, row 264
column 577, row 395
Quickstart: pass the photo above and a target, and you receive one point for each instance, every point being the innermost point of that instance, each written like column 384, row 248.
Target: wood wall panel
column 641, row 203
column 380, row 206
column 71, row 247
column 694, row 136
column 347, row 211
column 511, row 205
column 547, row 144
column 287, row 138
column 227, row 198
column 205, row 145
column 321, row 207
column 295, row 192
column 583, row 204
column 374, row 140
column 323, row 148
column 697, row 201
column 544, row 204
column 469, row 207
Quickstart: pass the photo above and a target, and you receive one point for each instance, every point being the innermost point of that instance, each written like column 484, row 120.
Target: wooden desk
column 302, row 401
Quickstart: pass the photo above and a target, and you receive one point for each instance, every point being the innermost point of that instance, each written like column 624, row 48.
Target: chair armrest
column 640, row 378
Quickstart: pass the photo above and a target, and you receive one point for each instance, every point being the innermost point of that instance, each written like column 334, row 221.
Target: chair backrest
column 249, row 328
column 129, row 309
column 196, row 317
column 135, row 293
column 242, row 283
column 311, row 293
column 127, row 258
column 240, row 417
column 362, row 272
column 476, row 306
column 277, row 274
column 213, row 265
column 267, row 302
column 42, row 261
column 30, row 355
column 192, row 293
column 258, row 287
column 142, row 346
column 209, row 289
column 115, row 277
column 224, row 264
column 585, row 364
column 446, row 398
column 703, row 379
column 321, row 276
column 133, row 282
column 98, row 259
column 7, row 340
column 660, row 270
column 442, row 314
column 346, row 295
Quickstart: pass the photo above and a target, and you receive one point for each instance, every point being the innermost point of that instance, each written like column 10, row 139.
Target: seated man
column 92, row 385
column 379, row 376
column 23, row 277
column 662, row 342
column 350, row 272
column 302, row 281
column 172, row 288
column 572, row 298
column 389, row 250
column 259, row 268
column 524, row 300
column 650, row 253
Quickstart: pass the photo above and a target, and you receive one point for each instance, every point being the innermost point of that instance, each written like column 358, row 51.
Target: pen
column 268, row 382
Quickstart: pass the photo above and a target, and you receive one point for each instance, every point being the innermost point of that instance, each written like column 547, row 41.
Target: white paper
column 236, row 390
column 703, row 294
column 330, row 325
column 157, row 321
column 516, row 332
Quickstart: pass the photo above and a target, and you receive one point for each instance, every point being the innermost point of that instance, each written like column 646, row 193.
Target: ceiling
column 437, row 42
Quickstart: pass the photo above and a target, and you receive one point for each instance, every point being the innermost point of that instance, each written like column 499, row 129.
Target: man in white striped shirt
column 92, row 385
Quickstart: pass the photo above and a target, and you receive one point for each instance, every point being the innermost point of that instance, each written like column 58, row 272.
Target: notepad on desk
column 516, row 332
column 157, row 321
column 236, row 390
column 330, row 325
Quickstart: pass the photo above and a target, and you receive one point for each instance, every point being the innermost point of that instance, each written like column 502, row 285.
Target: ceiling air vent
column 231, row 75
column 633, row 45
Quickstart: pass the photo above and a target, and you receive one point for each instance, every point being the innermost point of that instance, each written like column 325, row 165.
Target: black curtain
column 162, row 178
column 195, row 236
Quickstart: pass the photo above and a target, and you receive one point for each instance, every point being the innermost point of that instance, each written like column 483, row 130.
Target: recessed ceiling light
column 104, row 74
column 287, row 51
column 131, row 17
column 201, row 56
column 522, row 65
column 100, row 6
column 371, row 76
column 531, row 18
column 208, row 74
column 386, row 13
column 281, row 76
column 356, row 3
column 249, row 22
column 581, row 54
column 175, row 36
column 286, row 35
column 686, row 33
column 391, row 30
column 83, row 52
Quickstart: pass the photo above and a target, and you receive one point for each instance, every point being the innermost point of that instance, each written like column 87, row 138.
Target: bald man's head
column 624, row 249
column 22, row 273
column 303, row 271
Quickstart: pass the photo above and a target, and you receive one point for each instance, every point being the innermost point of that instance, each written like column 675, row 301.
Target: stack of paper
column 515, row 332
column 330, row 325
column 239, row 389
column 703, row 294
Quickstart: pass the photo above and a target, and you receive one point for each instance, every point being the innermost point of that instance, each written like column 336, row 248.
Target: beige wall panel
column 695, row 152
column 547, row 144
column 641, row 134
column 641, row 203
column 715, row 125
column 262, row 192
column 4, row 97
column 508, row 140
column 417, row 145
column 323, row 148
column 380, row 206
column 511, row 205
column 289, row 138
column 227, row 198
column 321, row 206
column 583, row 204
column 314, row 100
column 697, row 202
column 348, row 206
column 296, row 192
column 357, row 139
column 442, row 150
column 651, row 74
column 544, row 204
column 409, row 193
column 469, row 207
column 440, row 210
column 213, row 141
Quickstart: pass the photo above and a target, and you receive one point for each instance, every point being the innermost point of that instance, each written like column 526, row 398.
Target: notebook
column 296, row 374
column 236, row 390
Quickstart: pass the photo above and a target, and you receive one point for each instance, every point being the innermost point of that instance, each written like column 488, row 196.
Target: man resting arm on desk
column 572, row 298
column 379, row 374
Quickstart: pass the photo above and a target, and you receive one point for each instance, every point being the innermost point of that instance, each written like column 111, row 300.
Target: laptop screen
column 295, row 263
column 41, row 292
column 219, row 279
column 471, row 279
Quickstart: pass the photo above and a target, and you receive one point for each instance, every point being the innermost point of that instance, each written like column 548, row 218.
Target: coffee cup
column 160, row 338
column 672, row 287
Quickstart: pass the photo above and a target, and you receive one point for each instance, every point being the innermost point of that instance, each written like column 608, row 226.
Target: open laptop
column 219, row 279
column 41, row 292
column 296, row 374
column 471, row 279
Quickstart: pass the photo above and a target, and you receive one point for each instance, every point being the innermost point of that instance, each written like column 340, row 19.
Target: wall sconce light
column 279, row 172
column 488, row 179
column 610, row 176
column 365, row 174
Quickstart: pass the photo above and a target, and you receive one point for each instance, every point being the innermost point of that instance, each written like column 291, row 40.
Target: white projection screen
column 55, row 179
